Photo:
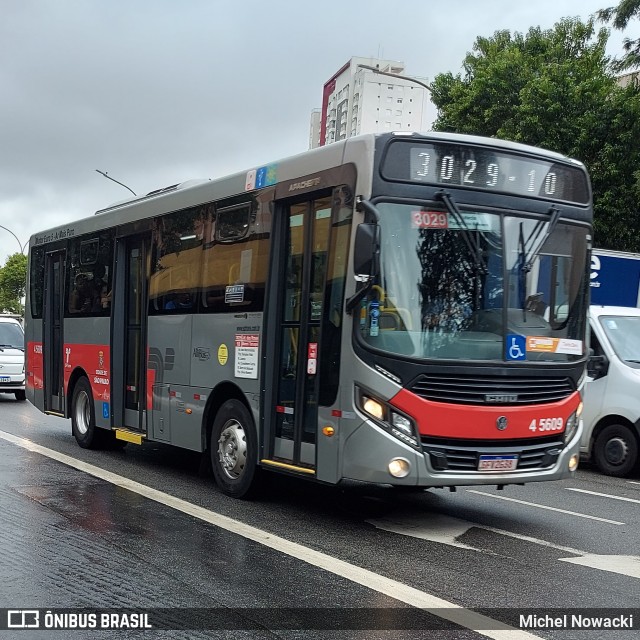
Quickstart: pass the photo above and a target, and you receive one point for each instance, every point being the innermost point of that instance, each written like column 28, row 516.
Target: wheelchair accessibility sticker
column 516, row 347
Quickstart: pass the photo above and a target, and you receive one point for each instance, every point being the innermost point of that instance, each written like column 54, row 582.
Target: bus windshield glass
column 476, row 285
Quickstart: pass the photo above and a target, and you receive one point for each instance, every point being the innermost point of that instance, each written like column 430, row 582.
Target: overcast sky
column 156, row 92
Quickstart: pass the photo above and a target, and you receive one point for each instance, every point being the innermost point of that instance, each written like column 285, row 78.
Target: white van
column 611, row 412
column 12, row 357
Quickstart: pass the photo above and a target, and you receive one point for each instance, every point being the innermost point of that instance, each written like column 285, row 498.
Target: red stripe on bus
column 453, row 421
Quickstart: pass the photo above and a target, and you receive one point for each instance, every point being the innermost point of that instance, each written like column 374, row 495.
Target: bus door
column 52, row 338
column 129, row 321
column 293, row 422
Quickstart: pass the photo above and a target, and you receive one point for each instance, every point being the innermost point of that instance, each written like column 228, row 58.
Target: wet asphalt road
column 71, row 539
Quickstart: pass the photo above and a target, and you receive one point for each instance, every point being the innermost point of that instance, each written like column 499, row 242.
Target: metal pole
column 396, row 75
column 104, row 173
column 16, row 237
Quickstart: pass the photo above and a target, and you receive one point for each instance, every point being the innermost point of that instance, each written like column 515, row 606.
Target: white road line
column 604, row 495
column 446, row 530
column 542, row 506
column 391, row 588
column 632, row 482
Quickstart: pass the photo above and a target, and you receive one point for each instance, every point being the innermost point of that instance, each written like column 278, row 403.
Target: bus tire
column 615, row 450
column 83, row 421
column 234, row 450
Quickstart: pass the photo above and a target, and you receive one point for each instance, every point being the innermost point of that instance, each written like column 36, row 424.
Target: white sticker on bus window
column 472, row 221
column 544, row 344
column 246, row 361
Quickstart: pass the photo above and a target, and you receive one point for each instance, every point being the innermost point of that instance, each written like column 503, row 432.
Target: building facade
column 358, row 100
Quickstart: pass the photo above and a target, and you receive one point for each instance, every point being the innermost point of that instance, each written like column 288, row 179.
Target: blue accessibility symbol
column 105, row 409
column 516, row 347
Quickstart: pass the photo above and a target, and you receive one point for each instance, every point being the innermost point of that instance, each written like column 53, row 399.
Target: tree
column 13, row 282
column 620, row 16
column 555, row 89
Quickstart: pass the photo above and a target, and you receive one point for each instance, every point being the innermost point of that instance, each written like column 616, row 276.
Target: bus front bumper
column 373, row 455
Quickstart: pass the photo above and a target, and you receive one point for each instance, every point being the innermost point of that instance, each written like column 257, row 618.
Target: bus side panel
column 168, row 367
column 34, row 367
column 90, row 353
column 226, row 348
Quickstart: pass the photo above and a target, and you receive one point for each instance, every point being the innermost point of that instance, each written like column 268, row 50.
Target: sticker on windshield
column 515, row 347
column 442, row 220
column 429, row 220
column 542, row 344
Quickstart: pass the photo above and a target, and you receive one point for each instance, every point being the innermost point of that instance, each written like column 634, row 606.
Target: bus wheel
column 615, row 450
column 83, row 422
column 234, row 450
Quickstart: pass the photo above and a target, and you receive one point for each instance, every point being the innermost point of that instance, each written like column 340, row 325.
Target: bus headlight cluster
column 395, row 423
column 572, row 424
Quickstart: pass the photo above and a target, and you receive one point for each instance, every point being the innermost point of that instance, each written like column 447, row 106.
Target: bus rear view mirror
column 366, row 254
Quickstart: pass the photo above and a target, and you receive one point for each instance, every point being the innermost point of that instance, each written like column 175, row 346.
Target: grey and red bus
column 403, row 309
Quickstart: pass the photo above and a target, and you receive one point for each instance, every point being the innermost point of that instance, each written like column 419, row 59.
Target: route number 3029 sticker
column 546, row 424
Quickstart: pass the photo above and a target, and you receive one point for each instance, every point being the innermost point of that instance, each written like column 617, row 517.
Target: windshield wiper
column 528, row 259
column 471, row 240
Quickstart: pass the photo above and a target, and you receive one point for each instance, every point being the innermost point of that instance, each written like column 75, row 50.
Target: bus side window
column 177, row 260
column 90, row 265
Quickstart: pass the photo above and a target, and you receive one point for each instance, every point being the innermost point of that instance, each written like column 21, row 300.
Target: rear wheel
column 83, row 422
column 20, row 395
column 615, row 450
column 234, row 450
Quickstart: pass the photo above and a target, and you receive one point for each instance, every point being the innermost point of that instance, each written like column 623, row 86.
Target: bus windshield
column 477, row 285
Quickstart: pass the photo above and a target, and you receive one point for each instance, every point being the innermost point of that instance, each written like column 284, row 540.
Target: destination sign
column 485, row 168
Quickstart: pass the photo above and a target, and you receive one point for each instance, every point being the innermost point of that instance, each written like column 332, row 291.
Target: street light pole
column 396, row 75
column 104, row 173
column 16, row 237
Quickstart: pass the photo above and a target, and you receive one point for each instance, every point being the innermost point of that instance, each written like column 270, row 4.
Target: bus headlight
column 387, row 417
column 572, row 424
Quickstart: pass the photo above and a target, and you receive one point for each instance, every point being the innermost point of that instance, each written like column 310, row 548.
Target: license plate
column 5, row 379
column 498, row 463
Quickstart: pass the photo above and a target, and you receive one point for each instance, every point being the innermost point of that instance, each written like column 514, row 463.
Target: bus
column 404, row 309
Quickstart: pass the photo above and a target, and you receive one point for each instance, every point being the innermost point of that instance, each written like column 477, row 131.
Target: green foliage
column 555, row 89
column 620, row 16
column 13, row 282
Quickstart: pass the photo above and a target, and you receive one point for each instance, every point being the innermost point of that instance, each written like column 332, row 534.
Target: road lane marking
column 542, row 506
column 386, row 586
column 624, row 565
column 604, row 495
column 447, row 529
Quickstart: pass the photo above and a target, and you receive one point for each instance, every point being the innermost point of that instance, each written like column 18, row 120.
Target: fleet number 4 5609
column 547, row 424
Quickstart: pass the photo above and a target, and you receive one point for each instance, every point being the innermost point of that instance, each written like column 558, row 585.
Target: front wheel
column 234, row 450
column 615, row 450
column 83, row 422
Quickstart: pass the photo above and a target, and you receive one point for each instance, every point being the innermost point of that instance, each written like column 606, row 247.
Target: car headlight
column 572, row 424
column 390, row 419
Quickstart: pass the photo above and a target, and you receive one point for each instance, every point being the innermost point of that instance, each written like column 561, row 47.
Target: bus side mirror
column 366, row 254
column 597, row 366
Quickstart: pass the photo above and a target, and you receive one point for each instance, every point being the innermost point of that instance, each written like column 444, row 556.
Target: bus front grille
column 446, row 457
column 492, row 390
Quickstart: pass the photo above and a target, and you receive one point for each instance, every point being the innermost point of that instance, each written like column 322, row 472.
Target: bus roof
column 195, row 192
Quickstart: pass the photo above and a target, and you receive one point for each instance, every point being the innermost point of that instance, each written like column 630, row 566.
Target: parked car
column 12, row 357
column 612, row 394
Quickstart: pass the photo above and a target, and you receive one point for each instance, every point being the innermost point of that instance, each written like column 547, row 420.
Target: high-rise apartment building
column 358, row 100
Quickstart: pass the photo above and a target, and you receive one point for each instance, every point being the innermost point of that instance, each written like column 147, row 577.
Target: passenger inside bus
column 181, row 300
column 83, row 296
